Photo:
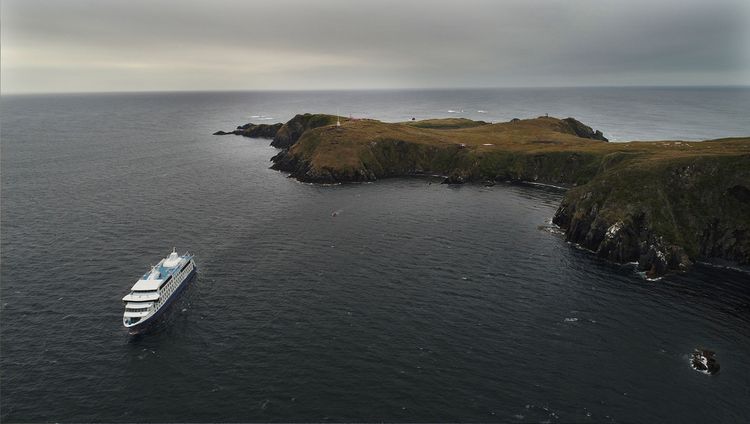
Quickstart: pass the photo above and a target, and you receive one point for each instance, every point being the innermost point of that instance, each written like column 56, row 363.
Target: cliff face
column 664, row 213
column 254, row 131
column 259, row 131
column 396, row 158
column 379, row 159
column 584, row 131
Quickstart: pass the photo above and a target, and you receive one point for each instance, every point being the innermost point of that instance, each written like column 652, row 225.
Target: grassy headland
column 664, row 204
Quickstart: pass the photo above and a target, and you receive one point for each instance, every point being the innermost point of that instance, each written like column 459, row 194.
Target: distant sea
column 413, row 302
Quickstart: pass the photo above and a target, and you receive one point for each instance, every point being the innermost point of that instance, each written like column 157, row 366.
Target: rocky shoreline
column 663, row 205
column 665, row 216
column 254, row 131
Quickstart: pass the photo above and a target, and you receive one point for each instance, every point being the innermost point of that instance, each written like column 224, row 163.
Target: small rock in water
column 703, row 360
column 454, row 178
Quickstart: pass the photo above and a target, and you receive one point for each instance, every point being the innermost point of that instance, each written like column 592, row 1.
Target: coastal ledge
column 662, row 204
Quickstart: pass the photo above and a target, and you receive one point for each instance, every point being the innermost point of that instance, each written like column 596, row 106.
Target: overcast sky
column 75, row 45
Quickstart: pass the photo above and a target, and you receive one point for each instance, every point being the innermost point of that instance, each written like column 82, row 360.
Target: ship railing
column 141, row 297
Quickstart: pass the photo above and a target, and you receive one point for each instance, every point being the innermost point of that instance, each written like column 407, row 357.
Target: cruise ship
column 153, row 292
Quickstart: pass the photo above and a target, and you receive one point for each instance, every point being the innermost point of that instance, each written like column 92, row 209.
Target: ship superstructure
column 156, row 289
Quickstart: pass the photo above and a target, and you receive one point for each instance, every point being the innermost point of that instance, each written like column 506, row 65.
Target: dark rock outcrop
column 283, row 161
column 301, row 170
column 455, row 177
column 254, row 131
column 260, row 130
column 584, row 131
column 625, row 240
column 704, row 360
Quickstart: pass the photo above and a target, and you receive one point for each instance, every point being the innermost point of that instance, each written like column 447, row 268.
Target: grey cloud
column 339, row 43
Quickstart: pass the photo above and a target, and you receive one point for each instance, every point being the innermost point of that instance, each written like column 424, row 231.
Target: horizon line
column 286, row 90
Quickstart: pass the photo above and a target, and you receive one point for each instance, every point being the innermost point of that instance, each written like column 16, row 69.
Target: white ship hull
column 152, row 295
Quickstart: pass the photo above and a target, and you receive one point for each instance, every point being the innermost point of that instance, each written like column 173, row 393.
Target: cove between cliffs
column 662, row 204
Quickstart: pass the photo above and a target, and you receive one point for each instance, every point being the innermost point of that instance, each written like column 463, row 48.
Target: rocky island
column 662, row 204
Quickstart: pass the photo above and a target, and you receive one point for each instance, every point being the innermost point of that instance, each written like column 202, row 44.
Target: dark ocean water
column 416, row 302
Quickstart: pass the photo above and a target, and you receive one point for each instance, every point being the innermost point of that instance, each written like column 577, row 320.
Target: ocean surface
column 414, row 302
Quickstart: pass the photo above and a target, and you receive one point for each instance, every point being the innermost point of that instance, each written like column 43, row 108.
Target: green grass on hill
column 543, row 149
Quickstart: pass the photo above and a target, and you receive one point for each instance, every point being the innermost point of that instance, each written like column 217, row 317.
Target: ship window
column 137, row 309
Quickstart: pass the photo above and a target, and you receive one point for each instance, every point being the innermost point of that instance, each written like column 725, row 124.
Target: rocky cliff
column 664, row 213
column 254, row 131
column 663, row 205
